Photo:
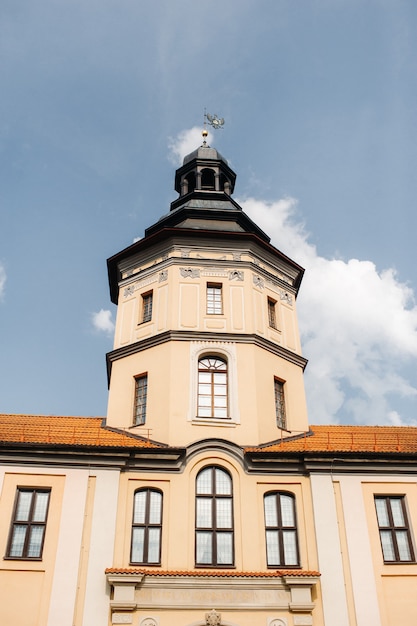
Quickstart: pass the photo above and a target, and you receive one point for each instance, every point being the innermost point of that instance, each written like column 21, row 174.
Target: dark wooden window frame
column 147, row 305
column 28, row 524
column 392, row 528
column 141, row 393
column 213, row 529
column 272, row 313
column 280, row 405
column 147, row 525
column 280, row 529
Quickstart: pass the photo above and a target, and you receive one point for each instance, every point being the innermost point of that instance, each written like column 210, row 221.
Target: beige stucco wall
column 179, row 514
column 358, row 588
column 67, row 585
column 172, row 393
column 240, row 602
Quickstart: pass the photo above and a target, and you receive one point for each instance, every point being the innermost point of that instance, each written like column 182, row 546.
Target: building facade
column 205, row 497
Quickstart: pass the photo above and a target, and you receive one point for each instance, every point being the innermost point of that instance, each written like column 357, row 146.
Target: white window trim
column 227, row 351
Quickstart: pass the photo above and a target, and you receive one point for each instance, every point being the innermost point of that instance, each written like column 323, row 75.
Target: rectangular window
column 272, row 318
column 281, row 530
column 394, row 530
column 141, row 395
column 214, row 299
column 27, row 531
column 280, row 404
column 147, row 527
column 147, row 306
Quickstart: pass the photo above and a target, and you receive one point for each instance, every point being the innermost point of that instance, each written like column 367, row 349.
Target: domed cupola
column 205, row 183
column 204, row 171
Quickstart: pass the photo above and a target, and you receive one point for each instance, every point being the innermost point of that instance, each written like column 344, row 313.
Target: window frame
column 213, row 384
column 147, row 525
column 393, row 529
column 280, row 529
column 139, row 417
column 214, row 299
column 147, row 306
column 280, row 404
column 215, row 530
column 28, row 524
column 272, row 313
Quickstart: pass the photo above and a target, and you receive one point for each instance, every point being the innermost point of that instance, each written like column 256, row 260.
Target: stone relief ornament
column 163, row 276
column 188, row 272
column 213, row 618
column 129, row 291
column 235, row 275
column 277, row 622
column 258, row 282
column 185, row 254
column 122, row 618
column 287, row 297
column 237, row 256
column 148, row 621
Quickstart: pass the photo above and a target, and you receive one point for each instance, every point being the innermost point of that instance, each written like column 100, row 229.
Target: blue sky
column 320, row 101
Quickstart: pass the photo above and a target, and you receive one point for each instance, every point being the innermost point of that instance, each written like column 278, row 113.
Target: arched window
column 146, row 527
column 212, row 387
column 281, row 530
column 214, row 518
column 207, row 178
column 190, row 182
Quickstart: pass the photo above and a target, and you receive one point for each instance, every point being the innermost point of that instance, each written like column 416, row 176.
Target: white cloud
column 3, row 279
column 358, row 326
column 185, row 142
column 102, row 321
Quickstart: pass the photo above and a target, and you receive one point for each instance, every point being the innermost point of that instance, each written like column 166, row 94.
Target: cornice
column 184, row 335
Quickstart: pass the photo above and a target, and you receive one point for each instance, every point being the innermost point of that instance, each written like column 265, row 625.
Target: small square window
column 147, row 306
column 214, row 299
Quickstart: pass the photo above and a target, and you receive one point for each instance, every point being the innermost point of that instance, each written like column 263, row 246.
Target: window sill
column 214, row 421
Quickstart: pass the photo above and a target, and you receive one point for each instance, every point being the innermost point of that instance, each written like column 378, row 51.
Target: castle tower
column 206, row 339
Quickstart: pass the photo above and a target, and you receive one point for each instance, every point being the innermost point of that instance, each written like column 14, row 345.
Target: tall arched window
column 281, row 529
column 207, row 178
column 214, row 518
column 212, row 387
column 146, row 527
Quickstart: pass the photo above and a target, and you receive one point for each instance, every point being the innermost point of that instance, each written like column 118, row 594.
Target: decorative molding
column 163, row 276
column 185, row 254
column 277, row 621
column 149, row 621
column 303, row 620
column 258, row 281
column 219, row 273
column 285, row 296
column 129, row 291
column 236, row 275
column 185, row 335
column 122, row 618
column 189, row 272
column 213, row 618
column 237, row 256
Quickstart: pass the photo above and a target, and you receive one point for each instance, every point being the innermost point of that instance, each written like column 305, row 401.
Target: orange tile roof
column 66, row 431
column 334, row 438
column 211, row 573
